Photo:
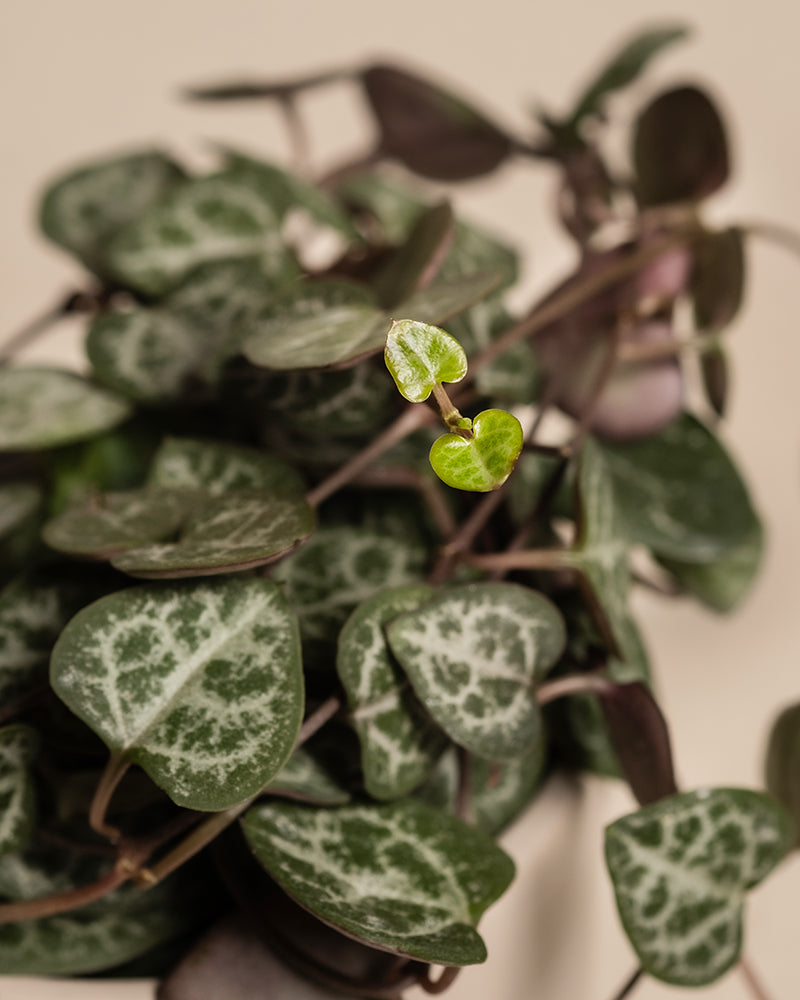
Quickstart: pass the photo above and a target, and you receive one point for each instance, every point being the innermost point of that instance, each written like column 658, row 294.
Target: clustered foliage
column 296, row 678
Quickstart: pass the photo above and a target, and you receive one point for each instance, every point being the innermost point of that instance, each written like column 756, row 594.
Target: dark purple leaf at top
column 432, row 132
column 680, row 148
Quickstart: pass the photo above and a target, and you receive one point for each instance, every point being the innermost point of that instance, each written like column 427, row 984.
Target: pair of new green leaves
column 476, row 455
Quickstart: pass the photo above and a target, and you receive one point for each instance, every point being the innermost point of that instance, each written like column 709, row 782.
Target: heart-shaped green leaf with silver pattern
column 402, row 877
column 18, row 747
column 474, row 655
column 681, row 868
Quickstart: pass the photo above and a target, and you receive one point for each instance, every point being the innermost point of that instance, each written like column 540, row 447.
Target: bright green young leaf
column 681, row 868
column 338, row 568
column 402, row 877
column 315, row 324
column 84, row 209
column 48, row 407
column 104, row 525
column 148, row 355
column 398, row 742
column 419, row 356
column 499, row 790
column 18, row 502
column 216, row 467
column 679, row 493
column 624, row 67
column 237, row 530
column 18, row 747
column 722, row 584
column 208, row 218
column 474, row 655
column 200, row 684
column 484, row 461
column 302, row 777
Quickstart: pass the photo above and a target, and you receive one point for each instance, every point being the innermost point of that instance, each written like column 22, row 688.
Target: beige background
column 83, row 77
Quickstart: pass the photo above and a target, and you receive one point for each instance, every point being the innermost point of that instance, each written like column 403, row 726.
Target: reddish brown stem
column 442, row 983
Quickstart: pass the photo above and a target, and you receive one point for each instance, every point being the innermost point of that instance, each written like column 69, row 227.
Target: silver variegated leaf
column 102, row 526
column 316, row 325
column 84, row 209
column 338, row 568
column 402, row 877
column 18, row 747
column 48, row 407
column 399, row 744
column 201, row 684
column 208, row 218
column 302, row 777
column 679, row 493
column 216, row 467
column 237, row 530
column 681, row 868
column 474, row 655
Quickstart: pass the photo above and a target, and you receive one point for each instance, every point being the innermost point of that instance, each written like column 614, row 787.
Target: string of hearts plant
column 297, row 682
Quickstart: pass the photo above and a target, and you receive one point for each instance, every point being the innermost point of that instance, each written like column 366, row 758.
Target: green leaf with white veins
column 302, row 777
column 679, row 493
column 102, row 526
column 474, row 656
column 402, row 877
column 218, row 466
column 200, row 684
column 18, row 747
column 399, row 745
column 315, row 324
column 681, row 868
column 338, row 568
column 83, row 209
column 48, row 407
column 208, row 218
column 238, row 530
column 419, row 356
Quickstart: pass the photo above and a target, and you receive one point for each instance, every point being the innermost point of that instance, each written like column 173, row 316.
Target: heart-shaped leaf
column 18, row 747
column 102, row 526
column 623, row 68
column 302, row 777
column 238, row 530
column 432, row 132
column 338, row 568
column 315, row 324
column 679, row 493
column 447, row 297
column 718, row 278
column 419, row 259
column 398, row 743
column 781, row 766
column 681, row 868
column 474, row 655
column 680, row 149
column 82, row 210
column 216, row 467
column 716, row 379
column 485, row 460
column 200, row 684
column 403, row 877
column 49, row 407
column 208, row 218
column 419, row 356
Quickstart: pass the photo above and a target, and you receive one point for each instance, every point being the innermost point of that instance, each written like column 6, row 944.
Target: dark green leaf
column 680, row 148
column 432, row 132
column 200, row 684
column 18, row 503
column 623, row 68
column 216, row 467
column 417, row 261
column 107, row 524
column 680, row 494
column 681, row 868
column 447, row 297
column 18, row 747
column 398, row 743
column 302, row 777
column 402, row 877
column 48, row 407
column 718, row 278
column 474, row 655
column 85, row 208
column 237, row 530
column 716, row 381
column 782, row 765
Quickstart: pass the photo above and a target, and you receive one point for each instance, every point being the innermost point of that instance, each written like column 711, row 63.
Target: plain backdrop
column 85, row 77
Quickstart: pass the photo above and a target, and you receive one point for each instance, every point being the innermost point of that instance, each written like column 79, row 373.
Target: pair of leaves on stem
column 480, row 454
